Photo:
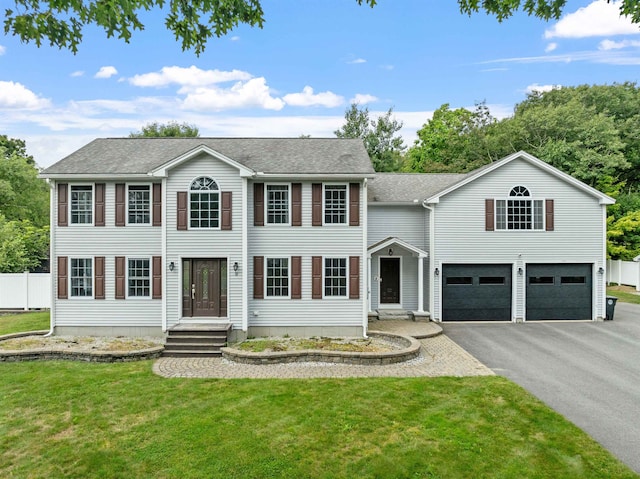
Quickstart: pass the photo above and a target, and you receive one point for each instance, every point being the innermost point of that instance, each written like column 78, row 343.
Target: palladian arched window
column 204, row 203
column 519, row 211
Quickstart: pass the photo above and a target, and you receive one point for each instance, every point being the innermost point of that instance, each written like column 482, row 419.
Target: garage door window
column 573, row 280
column 459, row 280
column 491, row 280
column 541, row 280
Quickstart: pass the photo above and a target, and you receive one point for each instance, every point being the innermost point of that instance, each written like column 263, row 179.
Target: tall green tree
column 24, row 209
column 452, row 141
column 172, row 129
column 384, row 146
column 23, row 196
column 61, row 23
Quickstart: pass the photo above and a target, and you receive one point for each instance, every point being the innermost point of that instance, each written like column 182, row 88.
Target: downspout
column 53, row 263
column 365, row 262
column 431, row 249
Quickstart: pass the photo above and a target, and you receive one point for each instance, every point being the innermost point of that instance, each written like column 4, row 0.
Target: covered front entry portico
column 397, row 277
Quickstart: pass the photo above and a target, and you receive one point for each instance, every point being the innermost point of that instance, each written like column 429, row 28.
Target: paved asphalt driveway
column 588, row 372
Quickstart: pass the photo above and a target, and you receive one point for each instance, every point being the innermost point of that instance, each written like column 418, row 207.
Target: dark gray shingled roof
column 269, row 155
column 407, row 187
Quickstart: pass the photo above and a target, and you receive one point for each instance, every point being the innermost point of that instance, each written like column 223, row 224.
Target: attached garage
column 476, row 292
column 559, row 291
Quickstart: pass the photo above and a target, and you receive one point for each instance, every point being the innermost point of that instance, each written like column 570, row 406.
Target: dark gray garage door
column 476, row 292
column 559, row 291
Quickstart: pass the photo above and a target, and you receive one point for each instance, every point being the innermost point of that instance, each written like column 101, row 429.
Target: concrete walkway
column 439, row 356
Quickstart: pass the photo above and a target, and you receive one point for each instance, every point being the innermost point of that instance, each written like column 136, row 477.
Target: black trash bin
column 611, row 307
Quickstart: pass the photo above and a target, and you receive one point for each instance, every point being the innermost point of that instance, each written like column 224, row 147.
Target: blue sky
column 299, row 73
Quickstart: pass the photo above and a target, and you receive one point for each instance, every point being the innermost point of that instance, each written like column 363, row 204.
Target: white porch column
column 420, row 283
column 369, row 281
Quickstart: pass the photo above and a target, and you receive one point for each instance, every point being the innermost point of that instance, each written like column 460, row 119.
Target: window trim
column 70, row 277
column 126, row 212
column 190, row 192
column 266, row 204
column 266, row 277
column 532, row 199
column 93, row 204
column 346, row 203
column 126, row 277
column 346, row 277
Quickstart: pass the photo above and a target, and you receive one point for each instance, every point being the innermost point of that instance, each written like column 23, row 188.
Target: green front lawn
column 625, row 294
column 79, row 420
column 17, row 323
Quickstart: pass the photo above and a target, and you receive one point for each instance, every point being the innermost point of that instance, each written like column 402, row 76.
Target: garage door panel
column 476, row 292
column 559, row 291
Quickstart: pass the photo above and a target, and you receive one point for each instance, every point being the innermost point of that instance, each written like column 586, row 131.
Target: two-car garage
column 483, row 292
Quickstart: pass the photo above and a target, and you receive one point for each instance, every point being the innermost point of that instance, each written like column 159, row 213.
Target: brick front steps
column 409, row 348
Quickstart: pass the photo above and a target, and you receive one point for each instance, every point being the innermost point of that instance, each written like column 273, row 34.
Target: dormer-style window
column 519, row 212
column 204, row 203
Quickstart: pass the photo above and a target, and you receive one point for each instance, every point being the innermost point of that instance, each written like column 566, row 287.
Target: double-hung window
column 519, row 211
column 277, row 277
column 138, row 274
column 335, row 204
column 335, row 277
column 138, row 204
column 204, row 203
column 81, row 277
column 81, row 204
column 277, row 204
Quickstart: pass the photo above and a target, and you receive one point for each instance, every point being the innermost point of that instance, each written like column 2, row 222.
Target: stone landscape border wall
column 409, row 349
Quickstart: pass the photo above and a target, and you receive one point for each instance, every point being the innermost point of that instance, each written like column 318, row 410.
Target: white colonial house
column 269, row 236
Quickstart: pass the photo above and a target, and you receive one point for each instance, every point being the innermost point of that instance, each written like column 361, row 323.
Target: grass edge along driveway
column 79, row 420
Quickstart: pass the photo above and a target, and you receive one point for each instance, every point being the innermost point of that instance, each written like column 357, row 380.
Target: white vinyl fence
column 25, row 290
column 624, row 272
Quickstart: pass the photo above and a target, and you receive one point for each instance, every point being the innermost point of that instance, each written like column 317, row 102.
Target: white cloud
column 3, row 50
column 486, row 70
column 387, row 67
column 253, row 93
column 77, row 73
column 541, row 88
column 612, row 45
column 308, row 98
column 599, row 18
column 609, row 58
column 363, row 98
column 234, row 38
column 357, row 60
column 192, row 76
column 551, row 47
column 16, row 95
column 106, row 72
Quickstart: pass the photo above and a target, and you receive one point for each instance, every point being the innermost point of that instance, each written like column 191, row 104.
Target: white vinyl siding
column 410, row 224
column 204, row 242
column 108, row 241
column 306, row 241
column 460, row 235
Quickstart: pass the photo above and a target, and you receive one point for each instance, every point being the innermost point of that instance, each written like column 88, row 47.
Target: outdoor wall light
column 172, row 266
column 520, row 271
column 436, row 272
column 601, row 270
column 235, row 267
column 390, row 251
